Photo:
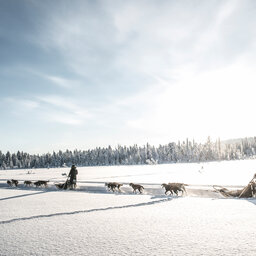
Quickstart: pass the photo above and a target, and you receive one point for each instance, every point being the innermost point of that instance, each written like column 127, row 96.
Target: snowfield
column 93, row 221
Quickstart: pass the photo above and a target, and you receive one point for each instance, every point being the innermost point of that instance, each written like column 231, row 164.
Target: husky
column 136, row 187
column 59, row 185
column 39, row 183
column 113, row 185
column 174, row 188
column 28, row 183
column 15, row 182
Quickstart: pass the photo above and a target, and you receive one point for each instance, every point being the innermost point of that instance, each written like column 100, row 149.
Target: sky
column 85, row 74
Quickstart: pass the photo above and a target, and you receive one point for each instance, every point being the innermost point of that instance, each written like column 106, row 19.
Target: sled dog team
column 173, row 188
column 70, row 183
column 115, row 185
column 28, row 183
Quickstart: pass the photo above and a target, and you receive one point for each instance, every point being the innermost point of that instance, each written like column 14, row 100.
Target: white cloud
column 58, row 101
column 22, row 104
column 63, row 118
column 62, row 82
column 139, row 38
column 64, row 110
column 52, row 108
column 30, row 104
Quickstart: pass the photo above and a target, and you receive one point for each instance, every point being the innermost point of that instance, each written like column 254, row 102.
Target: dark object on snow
column 174, row 188
column 246, row 192
column 69, row 185
column 15, row 182
column 72, row 177
column 250, row 189
column 12, row 182
column 28, row 183
column 168, row 188
column 60, row 185
column 136, row 187
column 228, row 193
column 39, row 183
column 113, row 185
column 65, row 185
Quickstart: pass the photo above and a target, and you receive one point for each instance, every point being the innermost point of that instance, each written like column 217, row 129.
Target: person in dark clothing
column 72, row 174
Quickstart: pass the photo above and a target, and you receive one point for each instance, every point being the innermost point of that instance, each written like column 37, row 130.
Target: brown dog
column 136, row 187
column 168, row 188
column 113, row 186
column 174, row 188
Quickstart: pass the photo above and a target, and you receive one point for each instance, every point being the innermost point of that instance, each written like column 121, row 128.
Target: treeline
column 186, row 151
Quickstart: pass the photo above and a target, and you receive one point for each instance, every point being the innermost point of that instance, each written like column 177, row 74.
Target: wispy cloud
column 62, row 82
column 63, row 110
column 22, row 104
column 63, row 118
column 58, row 101
column 115, row 41
column 52, row 108
column 59, row 81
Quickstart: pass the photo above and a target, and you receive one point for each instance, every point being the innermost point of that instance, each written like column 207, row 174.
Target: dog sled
column 67, row 185
column 247, row 192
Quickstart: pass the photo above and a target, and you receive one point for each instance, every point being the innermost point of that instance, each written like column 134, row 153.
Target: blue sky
column 82, row 74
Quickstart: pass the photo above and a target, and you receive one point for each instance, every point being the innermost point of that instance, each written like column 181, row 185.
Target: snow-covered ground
column 92, row 221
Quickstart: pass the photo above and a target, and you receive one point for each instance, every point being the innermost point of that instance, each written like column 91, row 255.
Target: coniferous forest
column 182, row 152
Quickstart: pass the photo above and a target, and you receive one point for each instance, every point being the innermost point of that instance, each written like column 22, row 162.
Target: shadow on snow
column 30, row 194
column 86, row 211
